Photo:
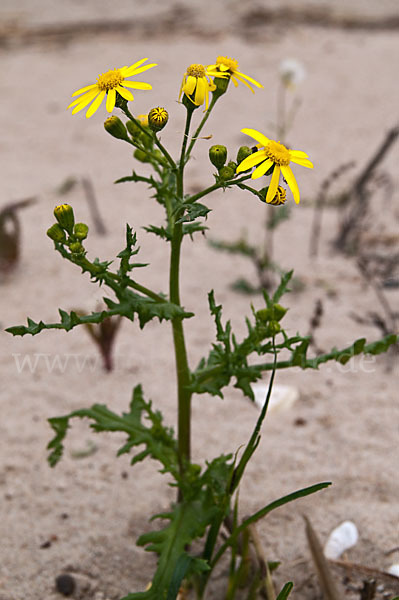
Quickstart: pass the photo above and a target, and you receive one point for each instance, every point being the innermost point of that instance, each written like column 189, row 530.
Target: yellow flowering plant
column 206, row 507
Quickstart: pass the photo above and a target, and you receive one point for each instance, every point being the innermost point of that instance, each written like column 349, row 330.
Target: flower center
column 196, row 71
column 230, row 63
column 110, row 80
column 277, row 153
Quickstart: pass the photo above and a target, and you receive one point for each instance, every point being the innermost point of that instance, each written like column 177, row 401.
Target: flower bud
column 157, row 118
column 116, row 128
column 56, row 233
column 243, row 152
column 275, row 313
column 232, row 165
column 133, row 129
column 218, row 156
column 273, row 328
column 76, row 248
column 64, row 215
column 80, row 231
column 226, row 173
column 141, row 155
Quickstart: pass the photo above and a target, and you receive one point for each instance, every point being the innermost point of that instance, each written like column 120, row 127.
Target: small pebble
column 65, row 584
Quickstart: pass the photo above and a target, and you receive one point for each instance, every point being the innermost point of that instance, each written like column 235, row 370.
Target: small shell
column 281, row 399
column 341, row 538
column 393, row 570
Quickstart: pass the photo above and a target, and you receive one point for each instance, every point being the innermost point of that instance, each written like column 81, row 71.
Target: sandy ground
column 84, row 516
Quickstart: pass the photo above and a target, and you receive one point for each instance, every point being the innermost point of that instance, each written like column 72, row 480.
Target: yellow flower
column 197, row 84
column 108, row 84
column 275, row 154
column 229, row 66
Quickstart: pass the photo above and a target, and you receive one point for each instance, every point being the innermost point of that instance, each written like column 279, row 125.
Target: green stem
column 214, row 187
column 182, row 369
column 200, row 126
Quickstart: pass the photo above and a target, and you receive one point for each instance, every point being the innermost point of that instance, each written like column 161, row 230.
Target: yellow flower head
column 108, row 84
column 229, row 67
column 275, row 154
column 197, row 84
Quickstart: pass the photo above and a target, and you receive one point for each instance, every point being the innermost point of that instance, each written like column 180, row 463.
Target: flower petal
column 96, row 103
column 298, row 154
column 137, row 85
column 200, row 91
column 290, row 179
column 124, row 93
column 261, row 170
column 85, row 102
column 244, row 82
column 251, row 161
column 259, row 137
column 304, row 162
column 84, row 89
column 111, row 99
column 238, row 74
column 135, row 65
column 182, row 86
column 90, row 94
column 131, row 72
column 234, row 80
column 190, row 84
column 271, row 192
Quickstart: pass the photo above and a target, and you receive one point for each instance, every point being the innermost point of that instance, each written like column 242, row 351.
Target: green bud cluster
column 65, row 217
column 275, row 313
column 66, row 231
column 141, row 155
column 218, row 157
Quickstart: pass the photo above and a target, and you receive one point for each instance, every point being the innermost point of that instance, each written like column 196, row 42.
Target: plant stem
column 217, row 186
column 200, row 126
column 182, row 369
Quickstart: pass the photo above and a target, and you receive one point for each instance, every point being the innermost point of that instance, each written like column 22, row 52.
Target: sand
column 84, row 516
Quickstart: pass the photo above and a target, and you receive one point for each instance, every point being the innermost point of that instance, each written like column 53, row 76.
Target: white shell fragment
column 393, row 570
column 341, row 538
column 282, row 398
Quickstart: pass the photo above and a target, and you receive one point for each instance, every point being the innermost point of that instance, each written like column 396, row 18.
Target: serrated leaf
column 159, row 231
column 194, row 211
column 158, row 440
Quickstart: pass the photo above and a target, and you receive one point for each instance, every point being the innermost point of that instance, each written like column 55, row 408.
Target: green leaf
column 159, row 231
column 285, row 592
column 68, row 322
column 264, row 511
column 283, row 287
column 158, row 441
column 191, row 228
column 186, row 522
column 194, row 211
